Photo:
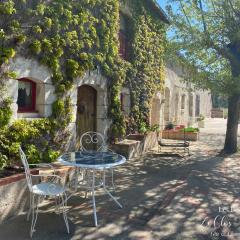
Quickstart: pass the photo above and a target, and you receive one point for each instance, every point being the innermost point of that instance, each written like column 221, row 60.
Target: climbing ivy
column 72, row 37
column 147, row 74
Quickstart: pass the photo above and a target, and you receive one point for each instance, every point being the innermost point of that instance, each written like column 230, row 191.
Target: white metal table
column 94, row 161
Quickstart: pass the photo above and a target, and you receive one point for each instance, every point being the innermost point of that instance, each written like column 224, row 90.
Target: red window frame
column 123, row 45
column 32, row 108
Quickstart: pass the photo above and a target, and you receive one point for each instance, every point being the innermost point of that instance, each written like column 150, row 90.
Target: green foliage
column 37, row 138
column 147, row 73
column 7, row 8
column 189, row 129
column 71, row 38
column 207, row 36
column 169, row 126
column 35, row 46
column 5, row 112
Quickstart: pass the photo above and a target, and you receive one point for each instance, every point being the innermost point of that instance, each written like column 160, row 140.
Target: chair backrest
column 92, row 141
column 26, row 168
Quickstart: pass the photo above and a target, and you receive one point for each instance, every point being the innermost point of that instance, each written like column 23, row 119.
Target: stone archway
column 167, row 105
column 176, row 106
column 197, row 106
column 190, row 105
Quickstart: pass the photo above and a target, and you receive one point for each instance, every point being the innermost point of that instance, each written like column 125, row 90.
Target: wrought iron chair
column 53, row 188
column 89, row 142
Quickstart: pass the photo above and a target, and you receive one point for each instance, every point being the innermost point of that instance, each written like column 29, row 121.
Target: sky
column 162, row 3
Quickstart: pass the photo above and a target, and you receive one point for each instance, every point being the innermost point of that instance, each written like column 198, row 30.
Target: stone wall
column 182, row 103
column 179, row 103
column 45, row 94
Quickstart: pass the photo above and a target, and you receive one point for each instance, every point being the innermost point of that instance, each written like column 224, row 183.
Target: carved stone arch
column 191, row 105
column 95, row 80
column 167, row 96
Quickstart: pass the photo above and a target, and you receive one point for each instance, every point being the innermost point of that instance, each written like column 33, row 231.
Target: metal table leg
column 93, row 199
column 105, row 189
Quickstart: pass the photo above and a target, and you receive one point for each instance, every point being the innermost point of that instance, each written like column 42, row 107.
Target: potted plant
column 201, row 122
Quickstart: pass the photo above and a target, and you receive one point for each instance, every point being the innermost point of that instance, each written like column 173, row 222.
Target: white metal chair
column 95, row 141
column 89, row 142
column 53, row 188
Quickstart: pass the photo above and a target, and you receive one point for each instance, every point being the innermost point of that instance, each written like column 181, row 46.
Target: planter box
column 136, row 144
column 177, row 135
column 128, row 148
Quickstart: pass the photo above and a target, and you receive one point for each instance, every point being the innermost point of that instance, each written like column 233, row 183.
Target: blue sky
column 162, row 3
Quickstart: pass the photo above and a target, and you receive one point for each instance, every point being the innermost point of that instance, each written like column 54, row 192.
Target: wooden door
column 86, row 110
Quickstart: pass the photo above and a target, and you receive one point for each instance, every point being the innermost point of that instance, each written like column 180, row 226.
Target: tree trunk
column 232, row 124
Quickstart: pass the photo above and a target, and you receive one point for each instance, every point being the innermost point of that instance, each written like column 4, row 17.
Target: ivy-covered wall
column 70, row 38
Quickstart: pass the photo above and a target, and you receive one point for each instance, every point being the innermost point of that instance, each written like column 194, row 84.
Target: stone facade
column 179, row 103
column 45, row 96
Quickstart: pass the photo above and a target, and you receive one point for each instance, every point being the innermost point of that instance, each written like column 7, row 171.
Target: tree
column 207, row 35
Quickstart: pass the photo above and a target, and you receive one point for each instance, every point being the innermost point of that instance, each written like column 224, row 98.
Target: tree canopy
column 207, row 34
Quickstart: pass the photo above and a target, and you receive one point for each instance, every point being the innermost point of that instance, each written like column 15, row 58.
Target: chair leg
column 113, row 185
column 57, row 200
column 34, row 214
column 64, row 204
column 30, row 206
column 76, row 179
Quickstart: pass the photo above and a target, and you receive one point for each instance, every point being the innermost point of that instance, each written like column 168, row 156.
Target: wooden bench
column 174, row 144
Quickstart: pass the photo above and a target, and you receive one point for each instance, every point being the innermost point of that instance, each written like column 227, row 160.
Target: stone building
column 178, row 104
column 183, row 104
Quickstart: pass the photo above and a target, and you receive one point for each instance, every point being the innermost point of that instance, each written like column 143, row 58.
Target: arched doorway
column 190, row 105
column 86, row 110
column 176, row 106
column 197, row 107
column 167, row 105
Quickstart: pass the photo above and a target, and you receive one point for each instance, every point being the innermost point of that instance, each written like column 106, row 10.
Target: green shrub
column 5, row 112
column 190, row 129
column 38, row 138
column 169, row 126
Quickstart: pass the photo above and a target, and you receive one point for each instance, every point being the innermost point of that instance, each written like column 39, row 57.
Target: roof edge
column 160, row 11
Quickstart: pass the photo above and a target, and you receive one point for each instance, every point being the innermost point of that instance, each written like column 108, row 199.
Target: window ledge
column 28, row 115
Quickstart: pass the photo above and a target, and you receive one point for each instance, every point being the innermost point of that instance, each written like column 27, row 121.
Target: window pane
column 25, row 95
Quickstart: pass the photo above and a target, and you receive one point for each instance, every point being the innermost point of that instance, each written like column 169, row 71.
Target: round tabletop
column 93, row 159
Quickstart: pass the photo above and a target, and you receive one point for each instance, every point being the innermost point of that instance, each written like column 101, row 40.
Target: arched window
column 123, row 38
column 26, row 95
